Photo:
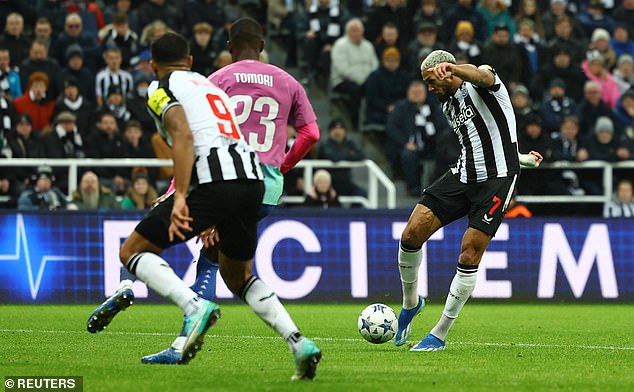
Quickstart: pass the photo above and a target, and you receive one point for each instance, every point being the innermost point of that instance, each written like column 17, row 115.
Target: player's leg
column 474, row 243
column 264, row 302
column 122, row 299
column 442, row 202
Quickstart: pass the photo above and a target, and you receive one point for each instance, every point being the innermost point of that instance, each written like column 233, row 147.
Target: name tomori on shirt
column 242, row 77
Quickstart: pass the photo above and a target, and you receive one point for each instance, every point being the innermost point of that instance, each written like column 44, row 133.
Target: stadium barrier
column 376, row 176
column 327, row 255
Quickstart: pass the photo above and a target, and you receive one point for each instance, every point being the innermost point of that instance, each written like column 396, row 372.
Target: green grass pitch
column 492, row 347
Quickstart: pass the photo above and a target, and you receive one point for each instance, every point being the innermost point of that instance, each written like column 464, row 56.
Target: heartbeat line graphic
column 21, row 243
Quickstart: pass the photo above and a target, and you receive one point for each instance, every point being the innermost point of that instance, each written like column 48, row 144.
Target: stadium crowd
column 74, row 76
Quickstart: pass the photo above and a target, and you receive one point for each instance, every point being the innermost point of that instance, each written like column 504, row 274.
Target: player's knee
column 410, row 239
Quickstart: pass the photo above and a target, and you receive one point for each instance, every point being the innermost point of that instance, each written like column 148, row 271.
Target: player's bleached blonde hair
column 436, row 57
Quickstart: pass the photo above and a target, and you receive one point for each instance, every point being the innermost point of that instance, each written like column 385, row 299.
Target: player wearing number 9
column 477, row 104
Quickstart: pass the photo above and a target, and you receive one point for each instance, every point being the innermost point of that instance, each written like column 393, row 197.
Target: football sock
column 461, row 288
column 160, row 277
column 205, row 284
column 268, row 307
column 408, row 263
column 126, row 278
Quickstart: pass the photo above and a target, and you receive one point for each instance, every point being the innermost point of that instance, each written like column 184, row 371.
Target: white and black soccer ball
column 378, row 323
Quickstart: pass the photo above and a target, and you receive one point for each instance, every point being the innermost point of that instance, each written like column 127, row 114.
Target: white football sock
column 160, row 277
column 268, row 307
column 460, row 290
column 408, row 264
column 179, row 343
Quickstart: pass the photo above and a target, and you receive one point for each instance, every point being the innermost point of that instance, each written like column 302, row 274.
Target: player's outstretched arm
column 480, row 76
column 183, row 154
column 307, row 137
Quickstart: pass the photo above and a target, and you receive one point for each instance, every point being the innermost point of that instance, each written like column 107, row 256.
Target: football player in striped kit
column 480, row 186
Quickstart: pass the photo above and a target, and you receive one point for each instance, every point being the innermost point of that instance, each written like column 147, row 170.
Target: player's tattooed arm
column 480, row 76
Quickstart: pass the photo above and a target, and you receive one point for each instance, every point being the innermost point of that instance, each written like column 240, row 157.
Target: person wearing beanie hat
column 385, row 85
column 466, row 42
column 624, row 72
column 43, row 195
column 595, row 69
column 603, row 145
column 35, row 101
column 72, row 101
column 600, row 42
column 24, row 143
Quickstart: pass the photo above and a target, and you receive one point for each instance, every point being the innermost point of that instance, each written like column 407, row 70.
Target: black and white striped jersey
column 221, row 153
column 106, row 78
column 484, row 121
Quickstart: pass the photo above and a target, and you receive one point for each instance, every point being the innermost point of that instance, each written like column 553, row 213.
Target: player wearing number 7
column 477, row 105
column 265, row 99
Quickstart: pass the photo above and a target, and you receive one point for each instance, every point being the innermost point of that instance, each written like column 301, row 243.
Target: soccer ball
column 378, row 323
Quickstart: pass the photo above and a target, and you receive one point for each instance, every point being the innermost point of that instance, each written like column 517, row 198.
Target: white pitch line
column 490, row 344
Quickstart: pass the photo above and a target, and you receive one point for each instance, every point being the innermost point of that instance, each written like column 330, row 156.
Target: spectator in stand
column 624, row 14
column 529, row 9
column 25, row 144
column 495, row 14
column 73, row 102
column 201, row 49
column 389, row 38
column 624, row 73
column 115, row 104
column 564, row 37
column 340, row 148
column 600, row 42
column 43, row 196
column 522, row 105
column 390, row 12
column 558, row 9
column 427, row 13
column 8, row 190
column 141, row 64
column 603, row 145
column 152, row 32
column 594, row 17
column 594, row 69
column 10, row 86
column 465, row 11
column 106, row 142
column 73, row 34
column 591, row 108
column 566, row 144
column 63, row 141
column 112, row 75
column 556, row 106
column 75, row 70
column 118, row 34
column 54, row 12
column 503, row 55
column 38, row 61
column 91, row 195
column 91, row 14
column 141, row 195
column 135, row 146
column 384, row 87
column 530, row 136
column 322, row 195
column 411, row 131
column 531, row 49
column 318, row 28
column 136, row 102
column 353, row 59
column 624, row 114
column 35, row 102
column 205, row 11
column 562, row 67
column 153, row 10
column 222, row 60
column 621, row 42
column 622, row 204
column 122, row 7
column 465, row 43
column 14, row 40
column 425, row 42
column 43, row 32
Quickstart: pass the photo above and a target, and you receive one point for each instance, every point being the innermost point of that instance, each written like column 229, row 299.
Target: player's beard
column 91, row 199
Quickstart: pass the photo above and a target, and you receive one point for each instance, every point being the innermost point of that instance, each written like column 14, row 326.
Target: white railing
column 608, row 178
column 376, row 176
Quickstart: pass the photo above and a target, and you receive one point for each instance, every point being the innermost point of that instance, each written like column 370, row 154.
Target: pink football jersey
column 266, row 99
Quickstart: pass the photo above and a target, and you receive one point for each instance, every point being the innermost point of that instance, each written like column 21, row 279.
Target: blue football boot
column 103, row 315
column 169, row 356
column 405, row 322
column 429, row 343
